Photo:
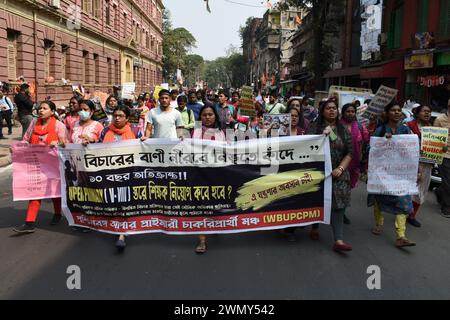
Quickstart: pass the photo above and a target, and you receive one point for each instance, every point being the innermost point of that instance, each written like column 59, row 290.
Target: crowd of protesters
column 208, row 114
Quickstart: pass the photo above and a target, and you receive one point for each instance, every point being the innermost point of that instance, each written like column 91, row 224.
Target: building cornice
column 146, row 15
column 85, row 32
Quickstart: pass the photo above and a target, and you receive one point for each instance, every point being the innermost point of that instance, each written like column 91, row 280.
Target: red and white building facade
column 94, row 43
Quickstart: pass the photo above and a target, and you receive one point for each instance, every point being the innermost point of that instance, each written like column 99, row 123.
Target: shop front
column 389, row 74
column 428, row 78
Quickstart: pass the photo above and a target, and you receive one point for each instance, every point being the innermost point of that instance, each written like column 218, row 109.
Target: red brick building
column 95, row 43
column 411, row 68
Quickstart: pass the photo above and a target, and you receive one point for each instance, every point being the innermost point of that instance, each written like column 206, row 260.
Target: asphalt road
column 258, row 265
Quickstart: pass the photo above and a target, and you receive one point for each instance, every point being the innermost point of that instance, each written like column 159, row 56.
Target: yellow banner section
column 261, row 192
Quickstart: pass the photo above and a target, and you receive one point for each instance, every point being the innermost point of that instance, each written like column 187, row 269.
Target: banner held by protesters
column 197, row 186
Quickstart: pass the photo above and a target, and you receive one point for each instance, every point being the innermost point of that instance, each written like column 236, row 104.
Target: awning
column 288, row 81
column 302, row 76
column 353, row 71
column 391, row 69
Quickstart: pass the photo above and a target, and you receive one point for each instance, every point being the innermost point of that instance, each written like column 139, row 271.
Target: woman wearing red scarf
column 422, row 115
column 118, row 130
column 46, row 130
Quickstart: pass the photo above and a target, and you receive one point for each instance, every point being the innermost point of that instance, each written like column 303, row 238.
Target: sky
column 214, row 31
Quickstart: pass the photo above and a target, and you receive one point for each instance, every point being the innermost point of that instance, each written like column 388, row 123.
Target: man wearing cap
column 24, row 106
column 163, row 121
column 443, row 193
column 6, row 110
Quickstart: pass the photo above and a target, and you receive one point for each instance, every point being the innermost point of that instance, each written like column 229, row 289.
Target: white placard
column 393, row 165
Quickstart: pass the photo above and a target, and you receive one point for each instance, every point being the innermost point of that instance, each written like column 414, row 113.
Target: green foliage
column 177, row 43
column 226, row 72
column 194, row 69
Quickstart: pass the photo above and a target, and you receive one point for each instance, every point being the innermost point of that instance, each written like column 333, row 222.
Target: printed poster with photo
column 281, row 123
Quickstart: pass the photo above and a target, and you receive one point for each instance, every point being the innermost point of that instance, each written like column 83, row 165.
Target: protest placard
column 128, row 90
column 135, row 115
column 281, row 123
column 433, row 141
column 384, row 96
column 393, row 165
column 247, row 105
column 197, row 186
column 102, row 96
column 99, row 114
column 156, row 92
column 349, row 94
column 35, row 172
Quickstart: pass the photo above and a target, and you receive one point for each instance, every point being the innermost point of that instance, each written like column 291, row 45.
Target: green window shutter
column 444, row 27
column 391, row 30
column 423, row 15
column 398, row 27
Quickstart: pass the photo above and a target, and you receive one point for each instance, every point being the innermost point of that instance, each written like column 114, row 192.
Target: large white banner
column 393, row 165
column 197, row 186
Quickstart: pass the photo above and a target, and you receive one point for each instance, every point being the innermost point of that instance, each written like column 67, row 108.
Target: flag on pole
column 298, row 20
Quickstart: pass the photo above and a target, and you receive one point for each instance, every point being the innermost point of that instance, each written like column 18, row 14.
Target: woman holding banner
column 210, row 130
column 341, row 156
column 86, row 130
column 294, row 109
column 46, row 130
column 400, row 206
column 118, row 130
column 422, row 118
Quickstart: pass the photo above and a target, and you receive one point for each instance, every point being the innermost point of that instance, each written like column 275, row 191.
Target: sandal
column 377, row 230
column 201, row 247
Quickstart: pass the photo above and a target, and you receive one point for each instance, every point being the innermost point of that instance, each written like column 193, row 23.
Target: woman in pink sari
column 360, row 137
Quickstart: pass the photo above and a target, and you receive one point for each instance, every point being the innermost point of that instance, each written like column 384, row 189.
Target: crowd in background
column 207, row 114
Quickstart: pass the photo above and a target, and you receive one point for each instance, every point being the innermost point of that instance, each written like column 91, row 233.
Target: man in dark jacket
column 24, row 106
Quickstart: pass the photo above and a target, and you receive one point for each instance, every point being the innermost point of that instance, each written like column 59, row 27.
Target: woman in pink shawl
column 360, row 137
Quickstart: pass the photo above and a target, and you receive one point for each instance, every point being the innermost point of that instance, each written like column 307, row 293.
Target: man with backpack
column 187, row 115
column 274, row 107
